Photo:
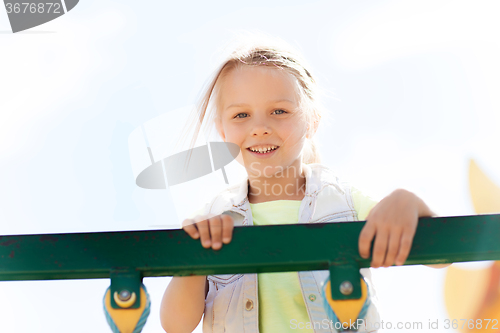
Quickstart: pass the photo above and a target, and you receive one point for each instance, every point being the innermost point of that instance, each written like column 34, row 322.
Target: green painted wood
column 255, row 249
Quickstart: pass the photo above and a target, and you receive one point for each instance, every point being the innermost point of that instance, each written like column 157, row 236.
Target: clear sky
column 411, row 89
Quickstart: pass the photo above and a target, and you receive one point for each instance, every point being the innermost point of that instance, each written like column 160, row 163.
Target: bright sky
column 411, row 87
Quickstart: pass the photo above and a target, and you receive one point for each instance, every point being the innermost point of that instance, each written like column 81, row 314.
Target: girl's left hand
column 393, row 222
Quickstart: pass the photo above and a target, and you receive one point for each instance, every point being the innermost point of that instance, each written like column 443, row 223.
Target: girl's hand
column 393, row 222
column 211, row 230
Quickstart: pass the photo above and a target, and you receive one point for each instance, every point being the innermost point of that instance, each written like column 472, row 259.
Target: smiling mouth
column 263, row 152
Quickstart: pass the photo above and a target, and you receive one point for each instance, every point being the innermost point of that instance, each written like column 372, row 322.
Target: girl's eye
column 282, row 111
column 239, row 114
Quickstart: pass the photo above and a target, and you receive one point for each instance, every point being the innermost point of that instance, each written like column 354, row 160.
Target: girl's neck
column 283, row 186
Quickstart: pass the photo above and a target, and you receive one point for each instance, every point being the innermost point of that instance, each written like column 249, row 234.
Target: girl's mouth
column 262, row 155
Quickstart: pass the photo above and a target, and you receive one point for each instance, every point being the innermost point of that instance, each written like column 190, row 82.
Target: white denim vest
column 232, row 303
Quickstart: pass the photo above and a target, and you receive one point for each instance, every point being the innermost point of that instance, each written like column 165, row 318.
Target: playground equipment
column 475, row 293
column 127, row 257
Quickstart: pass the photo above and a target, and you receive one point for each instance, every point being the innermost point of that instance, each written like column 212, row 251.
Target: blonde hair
column 273, row 56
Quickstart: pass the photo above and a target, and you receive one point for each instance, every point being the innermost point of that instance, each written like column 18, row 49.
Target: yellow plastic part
column 124, row 304
column 475, row 293
column 125, row 319
column 464, row 291
column 347, row 310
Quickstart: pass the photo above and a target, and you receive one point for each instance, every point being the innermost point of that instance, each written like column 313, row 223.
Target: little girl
column 265, row 101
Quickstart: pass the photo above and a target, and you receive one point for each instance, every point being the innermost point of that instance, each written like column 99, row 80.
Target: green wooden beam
column 255, row 249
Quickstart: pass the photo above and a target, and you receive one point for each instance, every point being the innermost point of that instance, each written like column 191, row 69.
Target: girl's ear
column 313, row 127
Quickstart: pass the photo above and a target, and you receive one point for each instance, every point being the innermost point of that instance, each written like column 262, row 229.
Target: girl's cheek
column 239, row 158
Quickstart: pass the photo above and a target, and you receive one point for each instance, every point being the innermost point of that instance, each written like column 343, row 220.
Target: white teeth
column 263, row 150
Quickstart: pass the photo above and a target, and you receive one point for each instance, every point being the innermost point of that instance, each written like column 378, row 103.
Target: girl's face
column 259, row 109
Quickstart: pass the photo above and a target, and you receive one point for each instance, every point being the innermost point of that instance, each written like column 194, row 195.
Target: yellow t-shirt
column 281, row 306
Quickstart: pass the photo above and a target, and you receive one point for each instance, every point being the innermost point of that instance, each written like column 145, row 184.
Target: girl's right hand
column 211, row 230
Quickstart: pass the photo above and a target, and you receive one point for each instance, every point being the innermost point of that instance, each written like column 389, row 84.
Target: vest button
column 312, row 297
column 249, row 305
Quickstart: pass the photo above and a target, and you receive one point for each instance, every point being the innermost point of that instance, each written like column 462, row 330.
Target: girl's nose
column 261, row 130
column 261, row 127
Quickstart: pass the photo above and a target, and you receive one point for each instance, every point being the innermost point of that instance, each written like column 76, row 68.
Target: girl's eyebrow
column 244, row 104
